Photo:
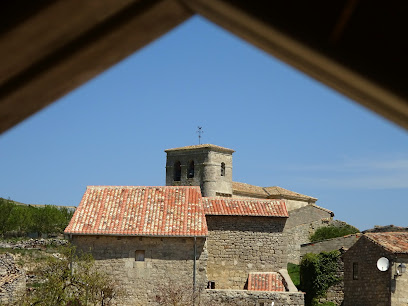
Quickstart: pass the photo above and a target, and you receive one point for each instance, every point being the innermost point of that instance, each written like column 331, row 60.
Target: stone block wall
column 372, row 287
column 399, row 296
column 239, row 245
column 167, row 262
column 207, row 174
column 251, row 298
column 302, row 223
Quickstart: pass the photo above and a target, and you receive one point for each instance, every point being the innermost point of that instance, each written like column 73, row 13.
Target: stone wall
column 249, row 298
column 207, row 170
column 399, row 296
column 239, row 245
column 302, row 223
column 372, row 287
column 167, row 262
column 12, row 279
column 329, row 244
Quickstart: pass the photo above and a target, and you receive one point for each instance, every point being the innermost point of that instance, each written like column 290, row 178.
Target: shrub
column 318, row 272
column 333, row 231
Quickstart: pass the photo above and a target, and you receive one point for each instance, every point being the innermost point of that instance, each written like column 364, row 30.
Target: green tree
column 333, row 231
column 6, row 208
column 318, row 272
column 72, row 279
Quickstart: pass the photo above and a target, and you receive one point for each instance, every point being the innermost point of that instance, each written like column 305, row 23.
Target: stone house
column 373, row 270
column 210, row 167
column 150, row 237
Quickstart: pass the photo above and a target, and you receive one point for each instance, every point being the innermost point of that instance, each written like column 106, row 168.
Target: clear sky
column 287, row 130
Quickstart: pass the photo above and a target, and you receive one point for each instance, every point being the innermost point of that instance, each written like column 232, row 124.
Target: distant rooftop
column 202, row 146
column 270, row 192
column 394, row 242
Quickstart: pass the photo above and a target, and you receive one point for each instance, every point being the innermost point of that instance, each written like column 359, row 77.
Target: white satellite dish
column 383, row 264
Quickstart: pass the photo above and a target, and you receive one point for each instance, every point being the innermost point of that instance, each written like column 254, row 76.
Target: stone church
column 231, row 241
column 210, row 167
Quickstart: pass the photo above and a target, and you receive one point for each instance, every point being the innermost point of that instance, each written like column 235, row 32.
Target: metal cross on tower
column 199, row 132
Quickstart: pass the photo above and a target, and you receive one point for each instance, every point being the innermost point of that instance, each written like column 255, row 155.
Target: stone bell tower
column 206, row 165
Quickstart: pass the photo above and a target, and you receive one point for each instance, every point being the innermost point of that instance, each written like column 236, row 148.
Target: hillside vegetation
column 19, row 220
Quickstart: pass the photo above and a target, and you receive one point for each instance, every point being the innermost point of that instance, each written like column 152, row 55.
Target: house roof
column 394, row 242
column 269, row 192
column 265, row 281
column 244, row 207
column 202, row 146
column 139, row 210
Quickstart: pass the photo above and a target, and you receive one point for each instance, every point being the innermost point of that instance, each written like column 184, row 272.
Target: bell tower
column 205, row 165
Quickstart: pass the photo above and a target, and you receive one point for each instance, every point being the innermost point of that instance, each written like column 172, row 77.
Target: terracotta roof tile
column 244, row 207
column 265, row 281
column 394, row 242
column 202, row 146
column 141, row 211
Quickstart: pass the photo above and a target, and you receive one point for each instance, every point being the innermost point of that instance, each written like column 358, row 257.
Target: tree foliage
column 318, row 272
column 71, row 279
column 333, row 231
column 23, row 219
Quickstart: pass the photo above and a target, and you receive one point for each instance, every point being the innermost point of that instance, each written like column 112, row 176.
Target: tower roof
column 202, row 146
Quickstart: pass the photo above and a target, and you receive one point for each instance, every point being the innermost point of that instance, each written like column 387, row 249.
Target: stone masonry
column 166, row 261
column 251, row 298
column 372, row 287
column 12, row 279
column 238, row 245
column 302, row 223
column 207, row 169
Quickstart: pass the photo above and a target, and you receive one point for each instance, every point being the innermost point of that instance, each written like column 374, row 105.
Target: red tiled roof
column 141, row 211
column 394, row 242
column 265, row 281
column 244, row 207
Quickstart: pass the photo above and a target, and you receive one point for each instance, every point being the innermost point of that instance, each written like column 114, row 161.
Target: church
column 231, row 241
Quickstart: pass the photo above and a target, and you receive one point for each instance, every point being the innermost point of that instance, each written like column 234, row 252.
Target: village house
column 150, row 237
column 374, row 270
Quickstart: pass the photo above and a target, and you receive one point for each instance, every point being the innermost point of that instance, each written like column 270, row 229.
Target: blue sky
column 287, row 130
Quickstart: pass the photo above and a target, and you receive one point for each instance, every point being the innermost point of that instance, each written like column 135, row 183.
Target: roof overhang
column 356, row 47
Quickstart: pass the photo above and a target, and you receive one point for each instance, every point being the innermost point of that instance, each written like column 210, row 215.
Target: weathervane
column 199, row 132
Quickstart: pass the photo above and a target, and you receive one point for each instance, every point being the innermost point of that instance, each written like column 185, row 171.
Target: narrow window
column 355, row 270
column 139, row 255
column 222, row 169
column 177, row 171
column 190, row 171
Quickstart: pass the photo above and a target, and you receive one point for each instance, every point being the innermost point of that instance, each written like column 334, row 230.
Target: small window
column 190, row 171
column 177, row 171
column 355, row 270
column 139, row 255
column 222, row 169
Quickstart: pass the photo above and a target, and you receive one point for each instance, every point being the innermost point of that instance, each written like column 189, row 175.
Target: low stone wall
column 329, row 244
column 249, row 298
column 12, row 279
